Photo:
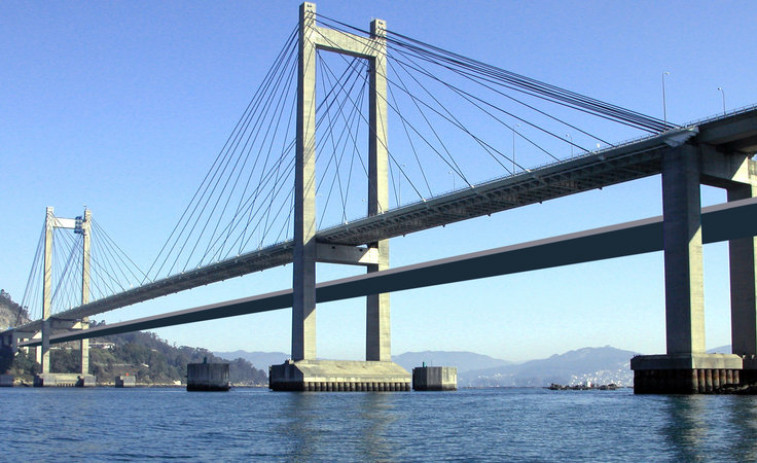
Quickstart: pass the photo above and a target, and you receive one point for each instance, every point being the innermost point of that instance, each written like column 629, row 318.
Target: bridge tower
column 304, row 372
column 80, row 225
column 686, row 367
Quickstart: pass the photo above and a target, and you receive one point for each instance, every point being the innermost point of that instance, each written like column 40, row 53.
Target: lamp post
column 722, row 92
column 664, row 106
column 569, row 137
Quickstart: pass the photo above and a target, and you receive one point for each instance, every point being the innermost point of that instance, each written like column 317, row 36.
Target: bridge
column 714, row 152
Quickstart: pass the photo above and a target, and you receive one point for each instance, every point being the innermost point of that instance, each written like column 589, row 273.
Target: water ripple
column 517, row 425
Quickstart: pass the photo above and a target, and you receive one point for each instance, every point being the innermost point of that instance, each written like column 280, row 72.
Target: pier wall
column 208, row 377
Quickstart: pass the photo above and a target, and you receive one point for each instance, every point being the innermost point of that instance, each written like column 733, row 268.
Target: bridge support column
column 682, row 242
column 85, row 230
column 43, row 352
column 686, row 368
column 303, row 308
column 742, row 259
column 378, row 336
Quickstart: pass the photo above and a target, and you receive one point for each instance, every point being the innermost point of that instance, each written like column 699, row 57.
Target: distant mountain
column 598, row 365
column 720, row 350
column 261, row 360
column 464, row 361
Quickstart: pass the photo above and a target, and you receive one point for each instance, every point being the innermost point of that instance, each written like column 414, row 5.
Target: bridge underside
column 597, row 170
column 734, row 134
column 719, row 223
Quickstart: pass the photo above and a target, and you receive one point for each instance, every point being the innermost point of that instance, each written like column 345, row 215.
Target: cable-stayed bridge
column 264, row 183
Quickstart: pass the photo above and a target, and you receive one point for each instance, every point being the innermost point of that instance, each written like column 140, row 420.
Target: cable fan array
column 111, row 270
column 454, row 122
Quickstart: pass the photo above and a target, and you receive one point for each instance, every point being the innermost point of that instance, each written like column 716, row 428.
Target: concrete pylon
column 313, row 38
column 742, row 255
column 378, row 336
column 304, row 372
column 43, row 352
column 742, row 275
column 303, row 306
column 85, row 229
column 682, row 241
column 687, row 368
column 80, row 225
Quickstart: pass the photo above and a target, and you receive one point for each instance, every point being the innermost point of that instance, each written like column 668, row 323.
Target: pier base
column 435, row 378
column 338, row 375
column 125, row 381
column 208, row 377
column 685, row 373
column 63, row 380
column 6, row 380
column 749, row 371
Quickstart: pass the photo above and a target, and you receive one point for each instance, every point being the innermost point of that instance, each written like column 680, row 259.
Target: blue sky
column 122, row 106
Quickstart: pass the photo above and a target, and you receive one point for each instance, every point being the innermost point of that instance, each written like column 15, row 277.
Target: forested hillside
column 144, row 355
column 11, row 313
column 153, row 361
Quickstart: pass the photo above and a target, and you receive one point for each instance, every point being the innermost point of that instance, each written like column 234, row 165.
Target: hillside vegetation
column 11, row 313
column 143, row 355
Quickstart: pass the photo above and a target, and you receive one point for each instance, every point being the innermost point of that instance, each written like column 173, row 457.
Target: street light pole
column 568, row 136
column 723, row 93
column 664, row 106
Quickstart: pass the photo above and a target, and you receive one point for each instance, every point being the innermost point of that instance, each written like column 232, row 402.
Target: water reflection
column 299, row 427
column 711, row 428
column 741, row 418
column 686, row 428
column 377, row 415
column 354, row 426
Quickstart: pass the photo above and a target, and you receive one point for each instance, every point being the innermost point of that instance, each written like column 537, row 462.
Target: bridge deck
column 641, row 158
column 719, row 223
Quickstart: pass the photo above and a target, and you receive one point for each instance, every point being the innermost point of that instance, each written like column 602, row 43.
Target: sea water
column 509, row 425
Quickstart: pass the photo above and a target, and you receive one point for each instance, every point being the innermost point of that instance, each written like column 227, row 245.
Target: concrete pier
column 6, row 380
column 338, row 376
column 687, row 368
column 685, row 373
column 435, row 378
column 208, row 377
column 64, row 380
column 304, row 372
column 125, row 381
